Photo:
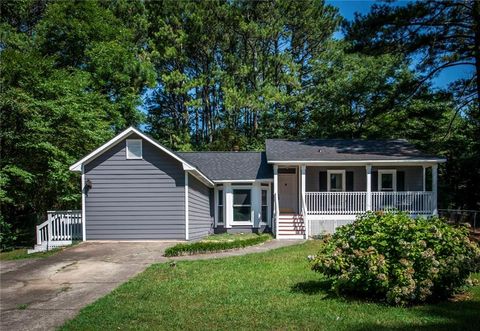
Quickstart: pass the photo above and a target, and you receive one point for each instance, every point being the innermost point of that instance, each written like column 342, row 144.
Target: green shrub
column 398, row 259
column 7, row 236
column 214, row 246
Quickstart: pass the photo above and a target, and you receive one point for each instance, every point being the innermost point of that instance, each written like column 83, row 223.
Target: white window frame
column 127, row 149
column 336, row 172
column 392, row 172
column 269, row 199
column 217, row 189
column 242, row 187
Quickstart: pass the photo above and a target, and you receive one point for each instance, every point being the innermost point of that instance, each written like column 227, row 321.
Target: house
column 133, row 188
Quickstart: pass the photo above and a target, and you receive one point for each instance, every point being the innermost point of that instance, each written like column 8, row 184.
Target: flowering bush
column 398, row 259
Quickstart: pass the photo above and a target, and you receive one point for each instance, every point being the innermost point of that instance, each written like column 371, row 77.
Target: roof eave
column 360, row 162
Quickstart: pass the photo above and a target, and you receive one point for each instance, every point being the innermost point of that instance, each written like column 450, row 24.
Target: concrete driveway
column 41, row 294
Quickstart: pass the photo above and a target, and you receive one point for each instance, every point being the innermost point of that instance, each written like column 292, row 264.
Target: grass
column 274, row 290
column 217, row 243
column 229, row 237
column 21, row 253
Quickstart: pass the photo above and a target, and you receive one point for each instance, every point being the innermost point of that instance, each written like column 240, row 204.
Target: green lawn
column 21, row 253
column 230, row 237
column 271, row 291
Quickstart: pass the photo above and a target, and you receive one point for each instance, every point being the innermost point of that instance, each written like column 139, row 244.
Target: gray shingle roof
column 230, row 165
column 343, row 150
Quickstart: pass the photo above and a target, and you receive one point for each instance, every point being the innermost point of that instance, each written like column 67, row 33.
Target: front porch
column 309, row 200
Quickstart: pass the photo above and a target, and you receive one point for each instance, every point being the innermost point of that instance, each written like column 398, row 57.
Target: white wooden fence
column 352, row 203
column 61, row 228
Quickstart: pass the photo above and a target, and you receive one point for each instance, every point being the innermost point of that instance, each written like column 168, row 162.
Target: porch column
column 275, row 197
column 434, row 189
column 304, row 211
column 424, row 179
column 368, row 167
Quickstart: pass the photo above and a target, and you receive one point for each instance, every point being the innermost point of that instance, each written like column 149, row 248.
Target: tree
column 233, row 72
column 71, row 76
column 436, row 34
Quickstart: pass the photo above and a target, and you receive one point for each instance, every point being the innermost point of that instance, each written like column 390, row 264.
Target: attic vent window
column 134, row 149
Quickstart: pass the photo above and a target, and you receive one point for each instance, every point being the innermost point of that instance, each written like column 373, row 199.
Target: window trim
column 336, row 172
column 127, row 149
column 242, row 187
column 392, row 172
column 218, row 205
column 267, row 189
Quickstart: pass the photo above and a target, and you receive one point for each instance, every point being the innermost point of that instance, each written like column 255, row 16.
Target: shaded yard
column 272, row 290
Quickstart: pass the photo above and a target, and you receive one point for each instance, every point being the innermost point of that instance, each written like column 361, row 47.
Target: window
column 387, row 180
column 336, row 180
column 264, row 218
column 242, row 205
column 134, row 149
column 220, row 207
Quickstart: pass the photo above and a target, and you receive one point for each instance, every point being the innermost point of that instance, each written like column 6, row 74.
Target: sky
column 348, row 8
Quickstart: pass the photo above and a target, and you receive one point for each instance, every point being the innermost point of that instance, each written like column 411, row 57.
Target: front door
column 288, row 191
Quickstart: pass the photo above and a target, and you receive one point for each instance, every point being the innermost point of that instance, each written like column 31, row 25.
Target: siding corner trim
column 186, row 205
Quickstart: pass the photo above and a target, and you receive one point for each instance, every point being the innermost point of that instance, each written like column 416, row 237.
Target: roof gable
column 125, row 134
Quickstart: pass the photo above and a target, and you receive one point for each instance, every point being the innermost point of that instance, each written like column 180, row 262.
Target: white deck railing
column 412, row 202
column 351, row 203
column 61, row 228
column 332, row 203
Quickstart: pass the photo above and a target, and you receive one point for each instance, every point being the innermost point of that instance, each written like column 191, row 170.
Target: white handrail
column 60, row 226
column 414, row 202
column 352, row 203
column 277, row 213
column 305, row 218
column 332, row 203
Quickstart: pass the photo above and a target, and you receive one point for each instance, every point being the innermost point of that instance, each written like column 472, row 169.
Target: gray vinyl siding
column 413, row 177
column 313, row 181
column 135, row 199
column 200, row 209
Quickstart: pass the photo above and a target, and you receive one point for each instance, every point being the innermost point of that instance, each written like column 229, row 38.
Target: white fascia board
column 359, row 163
column 233, row 181
column 186, row 166
column 201, row 177
column 77, row 166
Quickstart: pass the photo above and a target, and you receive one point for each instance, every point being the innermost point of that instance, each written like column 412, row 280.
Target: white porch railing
column 412, row 202
column 351, row 203
column 335, row 203
column 61, row 228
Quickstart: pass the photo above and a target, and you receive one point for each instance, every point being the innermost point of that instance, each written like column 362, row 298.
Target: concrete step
column 38, row 248
column 290, row 236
